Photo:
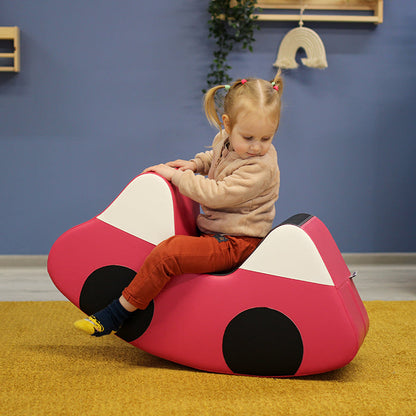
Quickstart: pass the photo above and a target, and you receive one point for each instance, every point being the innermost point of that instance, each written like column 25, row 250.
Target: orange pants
column 182, row 254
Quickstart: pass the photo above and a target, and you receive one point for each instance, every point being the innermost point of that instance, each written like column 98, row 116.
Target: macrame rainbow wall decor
column 301, row 37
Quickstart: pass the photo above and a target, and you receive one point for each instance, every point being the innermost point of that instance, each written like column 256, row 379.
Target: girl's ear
column 226, row 122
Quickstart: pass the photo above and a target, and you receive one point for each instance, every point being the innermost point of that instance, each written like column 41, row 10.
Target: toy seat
column 291, row 309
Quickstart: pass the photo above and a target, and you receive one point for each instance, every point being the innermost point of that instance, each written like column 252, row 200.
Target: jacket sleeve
column 203, row 162
column 244, row 184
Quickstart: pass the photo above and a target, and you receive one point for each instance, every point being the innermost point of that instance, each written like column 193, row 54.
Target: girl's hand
column 163, row 170
column 182, row 165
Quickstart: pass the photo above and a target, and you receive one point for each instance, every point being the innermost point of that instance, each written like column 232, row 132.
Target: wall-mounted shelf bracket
column 13, row 55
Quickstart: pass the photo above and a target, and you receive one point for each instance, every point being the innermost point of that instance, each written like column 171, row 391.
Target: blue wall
column 107, row 88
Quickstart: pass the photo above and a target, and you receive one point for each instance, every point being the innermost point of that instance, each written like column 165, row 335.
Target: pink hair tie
column 276, row 87
column 243, row 81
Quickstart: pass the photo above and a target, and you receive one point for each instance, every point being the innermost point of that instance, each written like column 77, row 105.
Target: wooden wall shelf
column 10, row 33
column 358, row 11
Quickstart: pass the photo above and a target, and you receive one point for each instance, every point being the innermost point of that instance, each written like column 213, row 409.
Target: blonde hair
column 260, row 94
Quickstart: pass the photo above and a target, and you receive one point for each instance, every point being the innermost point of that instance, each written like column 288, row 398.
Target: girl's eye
column 265, row 139
column 248, row 137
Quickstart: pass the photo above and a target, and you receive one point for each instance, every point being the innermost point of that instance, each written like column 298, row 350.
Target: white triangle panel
column 288, row 251
column 144, row 209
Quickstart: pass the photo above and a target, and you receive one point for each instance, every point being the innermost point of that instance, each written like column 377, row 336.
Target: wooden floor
column 377, row 278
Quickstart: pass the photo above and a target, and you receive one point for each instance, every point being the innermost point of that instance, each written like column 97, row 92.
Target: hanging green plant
column 230, row 24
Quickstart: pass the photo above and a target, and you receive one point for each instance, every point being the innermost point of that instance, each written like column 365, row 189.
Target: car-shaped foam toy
column 291, row 309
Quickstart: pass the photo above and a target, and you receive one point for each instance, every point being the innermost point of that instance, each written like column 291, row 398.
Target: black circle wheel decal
column 262, row 341
column 106, row 284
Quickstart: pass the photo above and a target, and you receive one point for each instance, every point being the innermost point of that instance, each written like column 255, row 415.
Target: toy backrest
column 151, row 209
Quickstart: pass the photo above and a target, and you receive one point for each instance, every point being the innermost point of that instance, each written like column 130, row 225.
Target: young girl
column 237, row 198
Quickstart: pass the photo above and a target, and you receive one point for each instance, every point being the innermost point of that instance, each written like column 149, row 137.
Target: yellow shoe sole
column 88, row 326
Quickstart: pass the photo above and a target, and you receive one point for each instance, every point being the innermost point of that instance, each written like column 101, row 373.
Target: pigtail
column 278, row 82
column 210, row 107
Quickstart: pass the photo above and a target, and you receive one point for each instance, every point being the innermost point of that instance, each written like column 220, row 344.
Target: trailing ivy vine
column 229, row 25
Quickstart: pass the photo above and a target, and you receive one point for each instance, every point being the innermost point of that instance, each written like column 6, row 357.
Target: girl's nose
column 255, row 147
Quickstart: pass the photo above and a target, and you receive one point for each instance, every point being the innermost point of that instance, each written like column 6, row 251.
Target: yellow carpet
column 48, row 368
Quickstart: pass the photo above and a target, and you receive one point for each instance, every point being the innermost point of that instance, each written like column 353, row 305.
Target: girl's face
column 251, row 134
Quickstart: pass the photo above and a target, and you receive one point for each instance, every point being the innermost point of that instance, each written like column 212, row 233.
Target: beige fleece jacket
column 238, row 196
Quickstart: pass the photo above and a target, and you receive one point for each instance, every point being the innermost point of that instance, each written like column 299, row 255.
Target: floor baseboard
column 23, row 260
column 350, row 258
column 380, row 258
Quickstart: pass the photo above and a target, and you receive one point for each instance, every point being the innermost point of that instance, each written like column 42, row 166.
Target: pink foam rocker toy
column 291, row 309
